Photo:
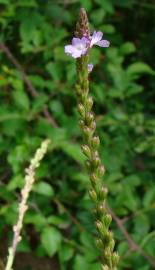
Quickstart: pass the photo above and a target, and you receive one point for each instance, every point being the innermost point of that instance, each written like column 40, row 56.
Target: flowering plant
column 79, row 49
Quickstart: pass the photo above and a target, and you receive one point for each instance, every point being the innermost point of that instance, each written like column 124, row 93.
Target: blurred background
column 37, row 101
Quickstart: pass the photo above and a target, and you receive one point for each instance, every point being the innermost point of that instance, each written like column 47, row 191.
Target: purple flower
column 90, row 67
column 78, row 47
column 96, row 39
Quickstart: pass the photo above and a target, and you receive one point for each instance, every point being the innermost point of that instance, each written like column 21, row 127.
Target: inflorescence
column 79, row 49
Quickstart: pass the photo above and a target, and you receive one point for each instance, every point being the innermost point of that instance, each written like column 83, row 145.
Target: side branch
column 25, row 78
column 132, row 245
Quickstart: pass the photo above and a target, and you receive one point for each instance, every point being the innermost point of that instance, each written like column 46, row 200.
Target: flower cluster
column 80, row 46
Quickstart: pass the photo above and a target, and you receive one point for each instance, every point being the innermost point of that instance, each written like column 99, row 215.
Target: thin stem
column 29, row 181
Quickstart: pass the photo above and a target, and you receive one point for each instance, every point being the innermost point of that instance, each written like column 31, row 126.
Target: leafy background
column 38, row 101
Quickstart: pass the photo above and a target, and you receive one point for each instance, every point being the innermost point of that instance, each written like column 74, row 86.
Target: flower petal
column 85, row 40
column 76, row 41
column 76, row 53
column 96, row 37
column 69, row 49
column 90, row 67
column 103, row 43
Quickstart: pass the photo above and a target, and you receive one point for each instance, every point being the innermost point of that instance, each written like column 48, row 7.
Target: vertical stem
column 98, row 192
column 22, row 208
column 10, row 260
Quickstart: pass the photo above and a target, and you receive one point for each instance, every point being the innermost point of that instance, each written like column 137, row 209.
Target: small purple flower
column 78, row 47
column 90, row 67
column 96, row 39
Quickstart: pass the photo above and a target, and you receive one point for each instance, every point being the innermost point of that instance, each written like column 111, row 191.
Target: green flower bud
column 112, row 244
column 107, row 253
column 78, row 89
column 86, row 150
column 93, row 195
column 115, row 258
column 93, row 179
column 89, row 118
column 88, row 165
column 95, row 142
column 107, row 220
column 99, row 244
column 93, row 126
column 101, row 170
column 89, row 103
column 81, row 110
column 101, row 209
column 86, row 83
column 100, row 227
column 96, row 162
column 105, row 267
column 87, row 132
column 81, row 124
column 108, row 236
column 103, row 193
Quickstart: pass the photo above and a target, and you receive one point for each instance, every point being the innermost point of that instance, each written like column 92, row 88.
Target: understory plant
column 81, row 45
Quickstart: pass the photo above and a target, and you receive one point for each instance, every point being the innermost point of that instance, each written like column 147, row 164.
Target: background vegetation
column 38, row 101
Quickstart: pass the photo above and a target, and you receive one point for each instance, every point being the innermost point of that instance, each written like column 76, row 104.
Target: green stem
column 98, row 192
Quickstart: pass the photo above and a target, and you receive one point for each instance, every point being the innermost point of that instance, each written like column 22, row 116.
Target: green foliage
column 50, row 239
column 59, row 223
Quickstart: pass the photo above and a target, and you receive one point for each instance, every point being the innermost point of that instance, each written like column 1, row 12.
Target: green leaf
column 80, row 263
column 149, row 196
column 6, row 2
column 127, row 48
column 66, row 252
column 140, row 68
column 73, row 150
column 38, row 220
column 139, row 229
column 51, row 240
column 107, row 5
column 44, row 189
column 21, row 99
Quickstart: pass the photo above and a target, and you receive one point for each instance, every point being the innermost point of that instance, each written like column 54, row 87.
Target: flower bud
column 105, row 267
column 87, row 132
column 100, row 227
column 93, row 179
column 115, row 258
column 81, row 110
column 96, row 161
column 99, row 243
column 85, row 83
column 107, row 253
column 89, row 103
column 95, row 142
column 112, row 244
column 103, row 193
column 101, row 209
column 101, row 170
column 93, row 195
column 108, row 236
column 81, row 124
column 93, row 125
column 78, row 89
column 86, row 150
column 107, row 220
column 89, row 118
column 88, row 165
